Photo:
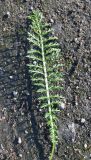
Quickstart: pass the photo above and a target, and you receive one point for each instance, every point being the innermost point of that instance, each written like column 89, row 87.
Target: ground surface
column 23, row 132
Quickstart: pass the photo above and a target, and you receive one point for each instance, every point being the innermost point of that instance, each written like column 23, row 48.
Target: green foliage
column 44, row 55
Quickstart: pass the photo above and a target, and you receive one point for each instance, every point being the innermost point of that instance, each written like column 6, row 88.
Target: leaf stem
column 52, row 151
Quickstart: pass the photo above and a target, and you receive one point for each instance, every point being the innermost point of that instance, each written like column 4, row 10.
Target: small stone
column 76, row 103
column 85, row 157
column 83, row 120
column 77, row 40
column 51, row 20
column 20, row 155
column 77, row 87
column 62, row 105
column 85, row 145
column 11, row 77
column 19, row 140
column 28, row 152
column 41, row 125
column 14, row 99
column 26, row 131
column 8, row 13
column 31, row 7
column 2, row 147
column 68, row 114
column 15, row 93
column 22, row 113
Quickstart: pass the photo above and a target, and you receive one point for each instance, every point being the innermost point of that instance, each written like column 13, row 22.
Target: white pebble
column 2, row 147
column 51, row 20
column 19, row 140
column 85, row 145
column 15, row 93
column 83, row 120
column 26, row 131
column 40, row 109
column 14, row 99
column 31, row 7
column 62, row 105
column 8, row 13
column 11, row 77
column 20, row 155
column 22, row 113
column 68, row 114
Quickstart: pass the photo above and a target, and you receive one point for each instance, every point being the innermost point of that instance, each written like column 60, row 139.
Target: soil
column 23, row 131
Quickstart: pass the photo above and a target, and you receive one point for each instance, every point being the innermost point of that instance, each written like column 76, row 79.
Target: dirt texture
column 23, row 131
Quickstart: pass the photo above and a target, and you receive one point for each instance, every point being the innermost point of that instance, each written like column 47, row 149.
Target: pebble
column 85, row 145
column 14, row 99
column 41, row 125
column 30, row 122
column 62, row 105
column 26, row 131
column 83, row 120
column 76, row 103
column 15, row 93
column 51, row 20
column 68, row 114
column 2, row 147
column 19, row 140
column 20, row 155
column 11, row 77
column 77, row 40
column 40, row 109
column 22, row 113
column 31, row 8
column 8, row 13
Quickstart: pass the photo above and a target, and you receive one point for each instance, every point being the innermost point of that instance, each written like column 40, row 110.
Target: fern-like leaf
column 44, row 55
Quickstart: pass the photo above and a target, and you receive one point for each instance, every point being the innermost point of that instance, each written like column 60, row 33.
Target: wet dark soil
column 23, row 131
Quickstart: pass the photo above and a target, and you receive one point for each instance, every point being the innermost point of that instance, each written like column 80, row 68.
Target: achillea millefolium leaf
column 44, row 67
